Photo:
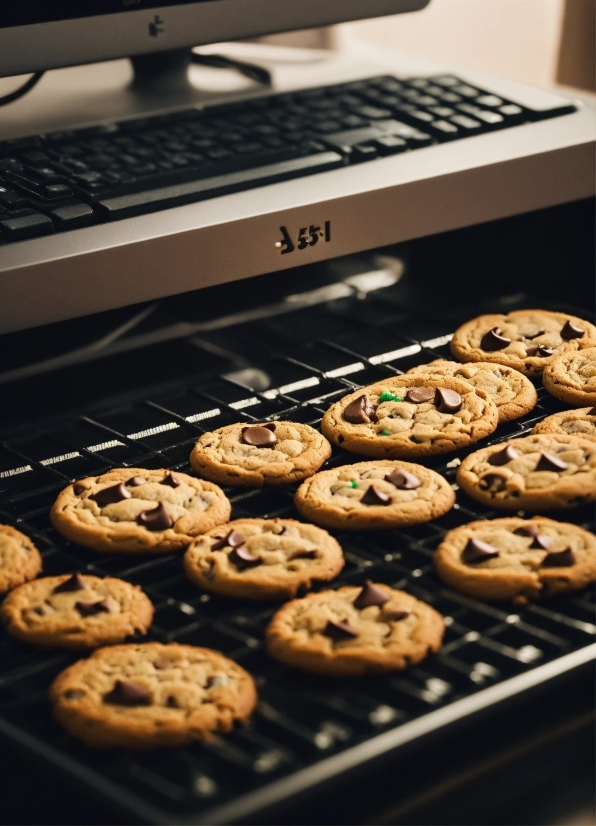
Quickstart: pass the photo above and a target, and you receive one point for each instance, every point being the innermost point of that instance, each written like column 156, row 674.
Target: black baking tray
column 278, row 359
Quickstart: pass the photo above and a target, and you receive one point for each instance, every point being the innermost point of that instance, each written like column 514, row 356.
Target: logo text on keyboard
column 305, row 237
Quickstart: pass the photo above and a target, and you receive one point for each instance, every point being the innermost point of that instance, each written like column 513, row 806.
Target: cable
column 22, row 90
column 219, row 61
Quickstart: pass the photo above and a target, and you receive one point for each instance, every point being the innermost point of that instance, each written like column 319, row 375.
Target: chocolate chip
column 128, row 694
column 371, row 594
column 419, row 395
column 39, row 611
column 394, row 614
column 78, row 488
column 478, row 551
column 534, row 335
column 492, row 482
column 157, row 519
column 111, row 495
column 494, row 340
column 447, row 401
column 162, row 664
column 403, row 480
column 215, row 682
column 338, row 631
column 508, row 454
column 136, row 482
column 233, row 539
column 88, row 609
column 528, row 530
column 558, row 559
column 171, row 480
column 570, row 331
column 549, row 462
column 360, row 411
column 591, row 412
column 542, row 541
column 543, row 352
column 241, row 557
column 259, row 436
column 374, row 496
column 171, row 702
column 73, row 583
column 304, row 555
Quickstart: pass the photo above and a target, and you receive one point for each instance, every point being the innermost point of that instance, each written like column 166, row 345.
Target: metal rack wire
column 305, row 728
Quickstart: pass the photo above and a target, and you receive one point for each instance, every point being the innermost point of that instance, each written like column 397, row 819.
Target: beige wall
column 515, row 38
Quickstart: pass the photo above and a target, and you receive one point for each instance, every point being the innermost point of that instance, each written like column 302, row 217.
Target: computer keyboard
column 70, row 179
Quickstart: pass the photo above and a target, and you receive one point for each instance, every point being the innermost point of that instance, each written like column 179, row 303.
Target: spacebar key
column 137, row 203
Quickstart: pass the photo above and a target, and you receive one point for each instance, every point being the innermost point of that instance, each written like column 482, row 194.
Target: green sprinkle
column 385, row 433
column 353, row 483
column 388, row 397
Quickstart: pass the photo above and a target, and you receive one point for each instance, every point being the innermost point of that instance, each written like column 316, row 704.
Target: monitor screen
column 47, row 34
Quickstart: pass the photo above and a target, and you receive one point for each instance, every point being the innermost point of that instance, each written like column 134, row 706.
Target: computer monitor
column 48, row 34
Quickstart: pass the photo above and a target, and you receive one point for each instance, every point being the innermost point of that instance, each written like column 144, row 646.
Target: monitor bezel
column 52, row 45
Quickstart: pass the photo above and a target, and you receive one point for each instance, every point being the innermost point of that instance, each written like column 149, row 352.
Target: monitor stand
column 162, row 73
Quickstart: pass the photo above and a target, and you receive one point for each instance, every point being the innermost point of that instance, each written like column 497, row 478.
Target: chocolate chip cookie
column 536, row 473
column 527, row 340
column 571, row 377
column 354, row 631
column 519, row 559
column 150, row 695
column 135, row 511
column 580, row 423
column 20, row 560
column 76, row 611
column 262, row 558
column 374, row 496
column 274, row 453
column 411, row 416
column 513, row 393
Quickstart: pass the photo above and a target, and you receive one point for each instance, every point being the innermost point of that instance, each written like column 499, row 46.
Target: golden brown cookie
column 20, row 560
column 76, row 611
column 149, row 695
column 409, row 417
column 527, row 340
column 571, row 377
column 515, row 558
column 262, row 558
column 580, row 423
column 374, row 496
column 135, row 511
column 536, row 473
column 513, row 393
column 275, row 453
column 354, row 631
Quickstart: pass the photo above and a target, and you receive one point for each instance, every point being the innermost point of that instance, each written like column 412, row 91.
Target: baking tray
column 273, row 363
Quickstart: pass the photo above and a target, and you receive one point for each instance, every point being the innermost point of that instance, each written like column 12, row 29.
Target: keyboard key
column 12, row 199
column 54, row 191
column 446, row 130
column 489, row 100
column 511, row 110
column 465, row 122
column 466, row 91
column 372, row 112
column 20, row 227
column 141, row 202
column 490, row 118
column 72, row 216
column 364, row 152
column 390, row 144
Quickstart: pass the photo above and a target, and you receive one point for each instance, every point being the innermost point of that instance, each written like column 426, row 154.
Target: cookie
column 136, row 511
column 571, row 377
column 262, row 558
column 374, row 496
column 20, row 560
column 150, row 695
column 580, row 423
column 518, row 559
column 354, row 631
column 527, row 340
column 536, row 473
column 76, row 611
column 513, row 393
column 409, row 417
column 276, row 453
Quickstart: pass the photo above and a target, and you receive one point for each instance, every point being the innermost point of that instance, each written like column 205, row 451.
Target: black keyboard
column 70, row 179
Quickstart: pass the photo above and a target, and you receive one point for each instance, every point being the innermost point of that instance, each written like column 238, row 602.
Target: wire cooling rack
column 306, row 729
